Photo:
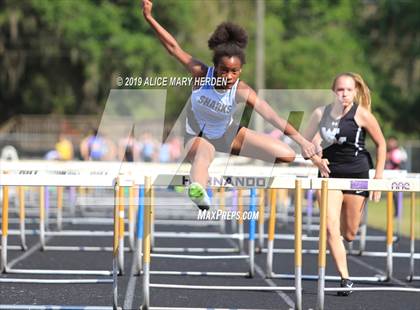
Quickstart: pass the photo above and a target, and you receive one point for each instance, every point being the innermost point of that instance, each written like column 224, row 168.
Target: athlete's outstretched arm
column 365, row 119
column 264, row 109
column 311, row 133
column 194, row 66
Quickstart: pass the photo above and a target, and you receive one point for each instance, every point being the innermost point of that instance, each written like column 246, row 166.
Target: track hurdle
column 218, row 198
column 273, row 183
column 43, row 180
column 409, row 185
column 411, row 276
column 186, row 235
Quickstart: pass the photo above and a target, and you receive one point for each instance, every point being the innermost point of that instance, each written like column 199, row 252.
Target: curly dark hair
column 228, row 40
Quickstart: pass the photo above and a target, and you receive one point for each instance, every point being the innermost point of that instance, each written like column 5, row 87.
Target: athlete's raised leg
column 260, row 146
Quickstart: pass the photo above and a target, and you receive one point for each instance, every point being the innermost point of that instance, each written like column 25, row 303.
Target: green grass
column 377, row 215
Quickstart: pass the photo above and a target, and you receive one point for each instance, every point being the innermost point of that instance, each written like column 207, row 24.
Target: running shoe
column 345, row 283
column 199, row 196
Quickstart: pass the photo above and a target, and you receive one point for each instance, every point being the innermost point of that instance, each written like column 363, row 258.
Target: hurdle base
column 376, row 278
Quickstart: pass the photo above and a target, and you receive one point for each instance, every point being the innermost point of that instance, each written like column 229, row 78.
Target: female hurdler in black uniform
column 341, row 128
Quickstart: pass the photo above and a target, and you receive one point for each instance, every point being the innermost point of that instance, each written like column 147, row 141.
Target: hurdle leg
column 152, row 219
column 21, row 193
column 146, row 244
column 121, row 229
column 131, row 226
column 222, row 204
column 60, row 208
column 298, row 244
column 240, row 220
column 322, row 245
column 400, row 198
column 234, row 207
column 271, row 230
column 261, row 222
column 389, row 235
column 73, row 200
column 139, row 245
column 115, row 249
column 251, row 247
column 42, row 217
column 309, row 211
column 47, row 208
column 412, row 236
column 5, row 228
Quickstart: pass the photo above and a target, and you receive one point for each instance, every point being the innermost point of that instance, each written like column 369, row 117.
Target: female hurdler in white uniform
column 210, row 126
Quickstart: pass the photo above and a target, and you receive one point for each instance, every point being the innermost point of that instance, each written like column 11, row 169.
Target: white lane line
column 373, row 268
column 270, row 282
column 28, row 253
column 129, row 294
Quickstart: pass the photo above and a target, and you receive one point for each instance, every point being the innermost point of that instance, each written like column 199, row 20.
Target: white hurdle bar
column 406, row 185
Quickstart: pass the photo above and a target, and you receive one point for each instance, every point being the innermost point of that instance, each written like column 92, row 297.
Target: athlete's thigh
column 259, row 146
column 199, row 146
column 351, row 212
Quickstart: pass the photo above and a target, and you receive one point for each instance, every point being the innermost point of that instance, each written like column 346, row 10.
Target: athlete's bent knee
column 288, row 158
column 349, row 236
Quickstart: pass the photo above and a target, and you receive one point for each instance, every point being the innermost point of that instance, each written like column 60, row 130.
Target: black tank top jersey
column 343, row 143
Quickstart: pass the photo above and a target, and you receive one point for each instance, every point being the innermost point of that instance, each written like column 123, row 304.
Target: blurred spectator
column 148, row 148
column 64, row 148
column 396, row 156
column 164, row 153
column 97, row 147
column 175, row 148
column 129, row 149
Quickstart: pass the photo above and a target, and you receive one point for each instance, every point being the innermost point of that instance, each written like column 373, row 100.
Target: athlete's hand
column 147, row 8
column 375, row 196
column 308, row 150
column 322, row 164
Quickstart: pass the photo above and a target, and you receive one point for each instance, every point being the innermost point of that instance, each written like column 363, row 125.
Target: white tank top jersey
column 212, row 109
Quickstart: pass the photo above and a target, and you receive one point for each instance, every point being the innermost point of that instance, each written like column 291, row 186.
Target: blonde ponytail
column 362, row 90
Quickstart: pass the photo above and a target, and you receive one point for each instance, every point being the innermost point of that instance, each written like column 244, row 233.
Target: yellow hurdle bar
column 4, row 228
column 147, row 219
column 261, row 220
column 298, row 244
column 131, row 208
column 42, row 216
column 412, row 215
column 412, row 234
column 222, row 206
column 152, row 217
column 241, row 220
column 116, row 246
column 271, row 231
column 121, row 228
column 272, row 222
column 298, row 224
column 21, row 193
column 22, row 215
column 240, row 206
column 146, row 241
column 389, row 232
column 322, row 244
column 116, row 220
